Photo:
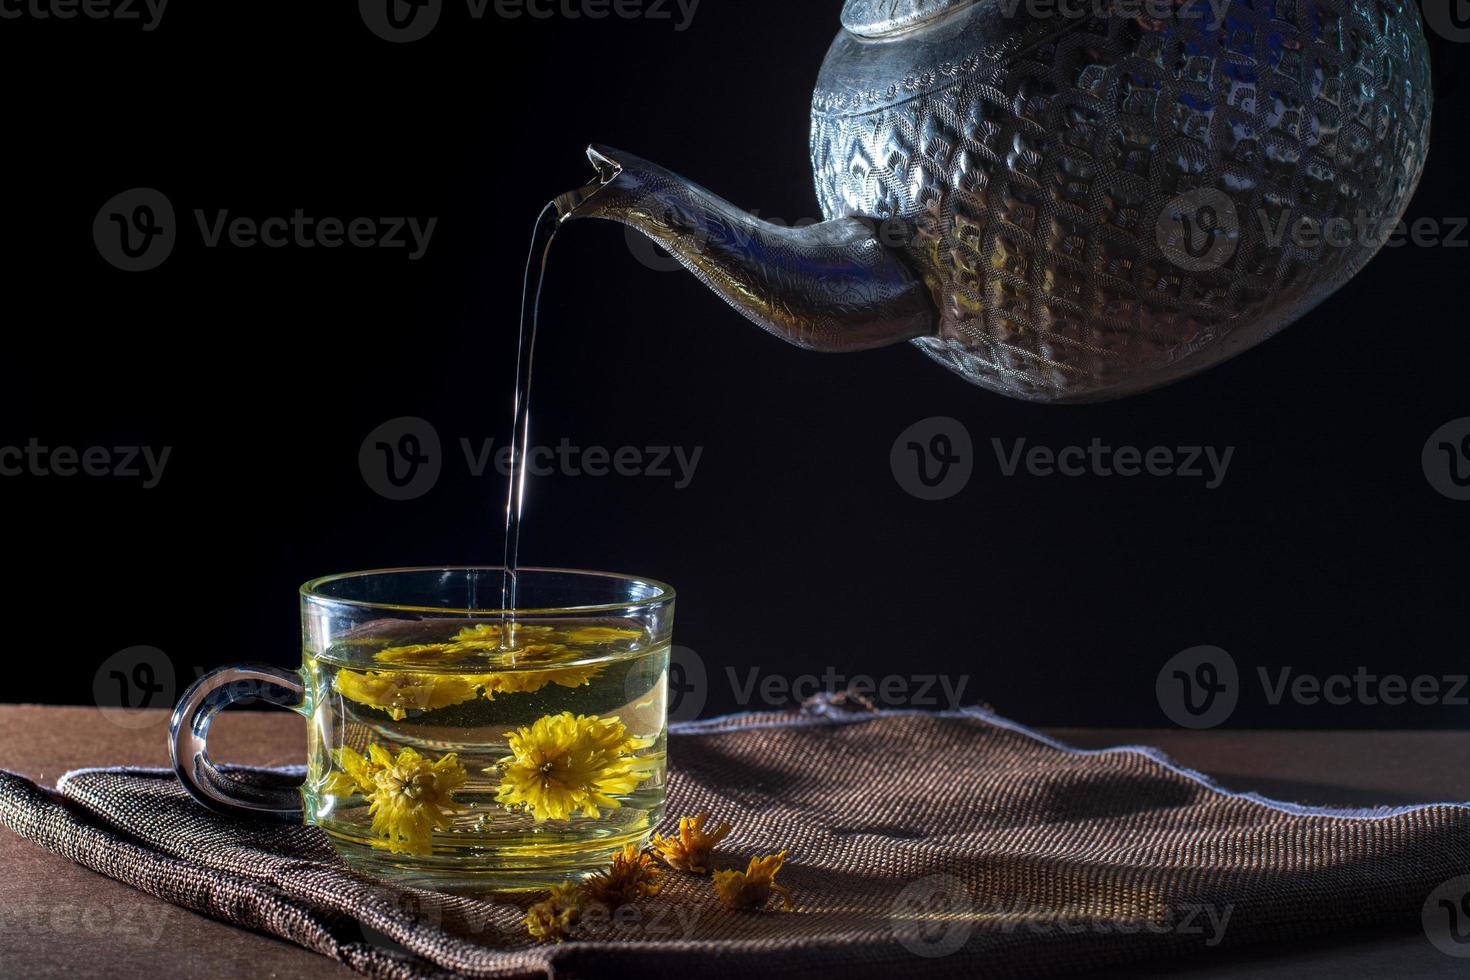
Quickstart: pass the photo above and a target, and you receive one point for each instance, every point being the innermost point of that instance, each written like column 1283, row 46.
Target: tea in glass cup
column 453, row 746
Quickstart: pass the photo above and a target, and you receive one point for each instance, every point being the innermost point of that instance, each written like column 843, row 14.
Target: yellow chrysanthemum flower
column 422, row 655
column 410, row 796
column 551, row 919
column 355, row 776
column 690, row 851
column 489, row 634
column 631, row 876
column 397, row 692
column 529, row 681
column 751, row 888
column 564, row 763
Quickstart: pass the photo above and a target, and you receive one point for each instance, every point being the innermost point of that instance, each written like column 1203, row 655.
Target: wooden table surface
column 58, row 919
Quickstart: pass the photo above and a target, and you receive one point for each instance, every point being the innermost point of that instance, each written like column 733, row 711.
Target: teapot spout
column 827, row 287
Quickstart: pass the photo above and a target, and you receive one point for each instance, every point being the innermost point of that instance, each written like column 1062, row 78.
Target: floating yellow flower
column 489, row 634
column 356, row 775
column 690, row 851
column 410, row 796
column 550, row 920
column 631, row 876
column 396, row 692
column 423, row 655
column 564, row 763
column 751, row 888
column 528, row 681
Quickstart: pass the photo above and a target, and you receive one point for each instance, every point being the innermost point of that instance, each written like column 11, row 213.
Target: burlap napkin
column 957, row 843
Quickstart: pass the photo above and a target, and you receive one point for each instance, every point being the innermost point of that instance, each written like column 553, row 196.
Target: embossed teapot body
column 1075, row 205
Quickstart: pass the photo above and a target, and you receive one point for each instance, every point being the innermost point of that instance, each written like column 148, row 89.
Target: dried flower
column 396, row 692
column 529, row 681
column 356, row 775
column 564, row 763
column 631, row 876
column 489, row 634
column 410, row 796
column 690, row 851
column 424, row 654
column 751, row 888
column 551, row 919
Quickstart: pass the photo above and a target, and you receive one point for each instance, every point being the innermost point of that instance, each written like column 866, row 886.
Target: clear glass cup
column 452, row 745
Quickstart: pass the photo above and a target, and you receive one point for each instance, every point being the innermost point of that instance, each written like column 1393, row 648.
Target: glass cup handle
column 188, row 730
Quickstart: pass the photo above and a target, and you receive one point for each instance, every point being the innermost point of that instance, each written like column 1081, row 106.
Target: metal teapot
column 1070, row 205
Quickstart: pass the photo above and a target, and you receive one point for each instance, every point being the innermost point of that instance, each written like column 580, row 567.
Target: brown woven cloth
column 958, row 844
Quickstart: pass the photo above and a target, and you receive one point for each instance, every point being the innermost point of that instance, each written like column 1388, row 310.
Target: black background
column 794, row 549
